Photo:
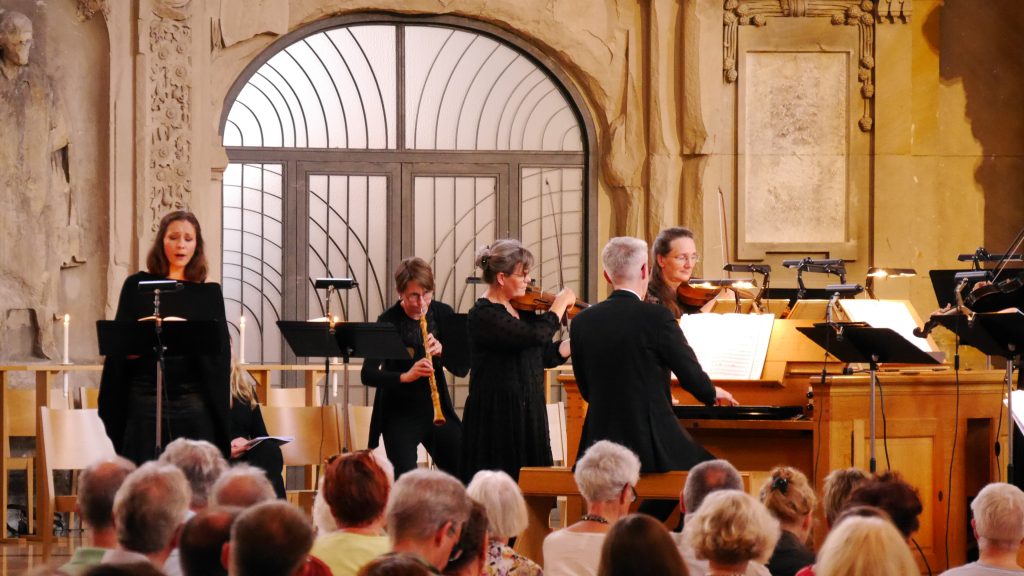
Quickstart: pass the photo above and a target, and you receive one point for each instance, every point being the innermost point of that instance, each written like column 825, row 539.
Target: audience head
column 789, row 497
column 862, row 545
column 97, row 486
column 356, row 489
column 469, row 555
column 150, row 507
column 503, row 257
column 202, row 464
column 242, row 485
column 608, row 472
column 425, row 512
column 625, row 260
column 731, row 527
column 894, row 495
column 269, row 539
column 500, row 496
column 202, row 541
column 999, row 516
column 839, row 484
column 861, row 512
column 639, row 544
column 707, row 477
column 396, row 565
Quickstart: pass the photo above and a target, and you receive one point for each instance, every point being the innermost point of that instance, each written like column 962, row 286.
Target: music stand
column 346, row 340
column 858, row 342
column 162, row 338
column 995, row 334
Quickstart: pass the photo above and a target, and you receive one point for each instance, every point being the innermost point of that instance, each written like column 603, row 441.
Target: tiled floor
column 19, row 556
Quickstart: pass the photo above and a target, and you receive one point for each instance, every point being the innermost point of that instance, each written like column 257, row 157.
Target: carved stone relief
column 170, row 105
column 89, row 8
column 860, row 13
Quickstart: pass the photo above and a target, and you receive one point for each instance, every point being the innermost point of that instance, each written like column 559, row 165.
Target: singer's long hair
column 661, row 247
column 156, row 261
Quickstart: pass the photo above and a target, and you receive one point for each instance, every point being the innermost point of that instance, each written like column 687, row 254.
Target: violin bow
column 558, row 234
column 1007, row 256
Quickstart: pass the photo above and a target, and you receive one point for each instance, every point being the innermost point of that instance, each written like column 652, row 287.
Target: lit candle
column 241, row 340
column 67, row 323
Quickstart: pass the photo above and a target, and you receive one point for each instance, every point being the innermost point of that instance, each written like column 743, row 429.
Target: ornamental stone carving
column 859, row 13
column 170, row 116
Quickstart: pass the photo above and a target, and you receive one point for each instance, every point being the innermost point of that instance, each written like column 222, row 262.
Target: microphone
column 336, row 283
column 162, row 286
column 758, row 268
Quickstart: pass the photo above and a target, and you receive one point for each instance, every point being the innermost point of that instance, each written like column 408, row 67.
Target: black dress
column 247, row 422
column 505, row 423
column 196, row 402
column 404, row 413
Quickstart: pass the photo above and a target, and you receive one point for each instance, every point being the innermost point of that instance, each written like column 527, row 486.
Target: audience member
column 859, row 546
column 269, row 539
column 202, row 541
column 424, row 514
column 470, row 553
column 606, row 477
column 356, row 490
column 894, row 495
column 849, row 512
column 506, row 518
column 398, row 564
column 790, row 499
column 998, row 525
column 703, row 479
column 202, row 464
column 639, row 544
column 729, row 530
column 839, row 484
column 97, row 486
column 149, row 509
column 129, row 569
column 242, row 486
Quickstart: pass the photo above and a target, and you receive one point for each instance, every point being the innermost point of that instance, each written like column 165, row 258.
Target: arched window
column 358, row 141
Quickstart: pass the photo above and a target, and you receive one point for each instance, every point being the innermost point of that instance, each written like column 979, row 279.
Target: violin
column 697, row 294
column 536, row 299
column 986, row 298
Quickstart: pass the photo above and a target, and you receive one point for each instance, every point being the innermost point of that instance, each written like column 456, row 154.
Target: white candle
column 241, row 340
column 67, row 323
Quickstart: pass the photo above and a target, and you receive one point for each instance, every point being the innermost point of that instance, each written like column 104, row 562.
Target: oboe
column 435, row 398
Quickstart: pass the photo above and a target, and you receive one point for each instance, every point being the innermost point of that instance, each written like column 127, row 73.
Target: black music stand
column 995, row 334
column 160, row 338
column 345, row 340
column 857, row 342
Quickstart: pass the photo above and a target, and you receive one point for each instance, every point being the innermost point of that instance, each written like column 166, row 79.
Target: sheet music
column 891, row 314
column 1018, row 407
column 729, row 346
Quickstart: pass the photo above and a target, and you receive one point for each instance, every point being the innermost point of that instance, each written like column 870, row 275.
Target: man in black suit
column 622, row 352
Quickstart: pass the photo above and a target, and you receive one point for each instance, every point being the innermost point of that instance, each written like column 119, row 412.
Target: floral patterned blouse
column 504, row 561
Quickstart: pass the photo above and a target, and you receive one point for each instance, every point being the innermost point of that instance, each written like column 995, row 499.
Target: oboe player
column 402, row 408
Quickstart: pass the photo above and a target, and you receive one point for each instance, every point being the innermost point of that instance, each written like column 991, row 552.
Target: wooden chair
column 90, row 397
column 359, row 426
column 290, row 397
column 20, row 422
column 556, row 431
column 317, row 433
column 69, row 440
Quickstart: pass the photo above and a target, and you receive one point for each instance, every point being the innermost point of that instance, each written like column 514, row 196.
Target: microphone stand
column 160, row 349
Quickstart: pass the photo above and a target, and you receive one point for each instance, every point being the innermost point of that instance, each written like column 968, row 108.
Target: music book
column 892, row 314
column 1018, row 407
column 729, row 346
column 278, row 440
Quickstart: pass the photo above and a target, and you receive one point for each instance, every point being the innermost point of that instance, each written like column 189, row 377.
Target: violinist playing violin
column 505, row 423
column 673, row 256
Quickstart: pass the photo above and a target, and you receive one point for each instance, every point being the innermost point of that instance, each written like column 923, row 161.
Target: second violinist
column 505, row 417
column 674, row 255
column 403, row 411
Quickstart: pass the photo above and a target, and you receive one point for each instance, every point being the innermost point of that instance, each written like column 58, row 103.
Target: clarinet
column 435, row 398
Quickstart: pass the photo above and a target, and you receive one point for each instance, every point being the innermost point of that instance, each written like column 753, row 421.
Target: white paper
column 729, row 346
column 1018, row 408
column 276, row 439
column 892, row 314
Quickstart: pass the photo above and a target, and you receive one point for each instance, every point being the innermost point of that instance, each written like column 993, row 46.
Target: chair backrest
column 288, row 397
column 359, row 426
column 90, row 397
column 316, row 430
column 20, row 410
column 556, row 430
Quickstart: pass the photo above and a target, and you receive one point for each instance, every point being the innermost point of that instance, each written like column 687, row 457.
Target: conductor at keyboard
column 623, row 350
